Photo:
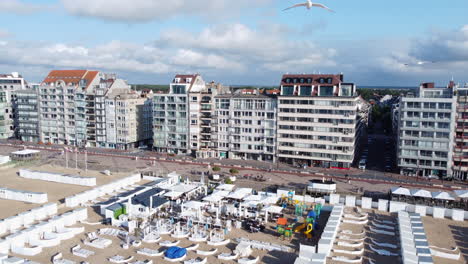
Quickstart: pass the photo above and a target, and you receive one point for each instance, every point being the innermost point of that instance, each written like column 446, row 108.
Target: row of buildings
column 311, row 120
column 431, row 129
column 77, row 108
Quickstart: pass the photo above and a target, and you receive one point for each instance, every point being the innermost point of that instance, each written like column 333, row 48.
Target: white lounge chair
column 167, row 243
column 227, row 256
column 192, row 247
column 248, row 261
column 120, row 259
column 81, row 252
column 58, row 259
column 150, row 252
column 207, row 253
column 347, row 260
column 196, row 261
column 217, row 243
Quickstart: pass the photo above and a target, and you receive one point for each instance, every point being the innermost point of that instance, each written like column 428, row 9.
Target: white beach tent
column 273, row 209
column 226, row 187
column 421, row 193
column 463, row 194
column 442, row 196
column 213, row 198
column 401, row 191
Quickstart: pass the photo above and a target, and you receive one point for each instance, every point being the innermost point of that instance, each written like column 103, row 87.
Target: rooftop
column 311, row 79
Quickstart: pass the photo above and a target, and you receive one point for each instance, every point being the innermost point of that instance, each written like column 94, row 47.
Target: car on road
column 362, row 164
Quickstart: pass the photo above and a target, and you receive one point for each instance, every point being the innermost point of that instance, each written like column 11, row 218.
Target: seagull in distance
column 309, row 5
column 419, row 63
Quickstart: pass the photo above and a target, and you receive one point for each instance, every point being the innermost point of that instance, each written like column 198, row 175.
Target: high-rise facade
column 27, row 113
column 84, row 108
column 246, row 126
column 171, row 115
column 320, row 121
column 426, row 131
column 460, row 155
column 9, row 83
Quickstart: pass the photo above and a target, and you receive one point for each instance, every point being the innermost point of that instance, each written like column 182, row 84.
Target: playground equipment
column 300, row 207
column 285, row 201
column 309, row 230
column 283, row 229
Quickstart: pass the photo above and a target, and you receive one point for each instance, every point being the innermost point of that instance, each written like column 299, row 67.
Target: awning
column 226, row 187
column 442, row 196
column 421, row 193
column 462, row 193
column 401, row 191
column 273, row 209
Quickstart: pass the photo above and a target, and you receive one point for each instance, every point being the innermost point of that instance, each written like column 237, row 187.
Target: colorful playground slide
column 299, row 228
column 308, row 232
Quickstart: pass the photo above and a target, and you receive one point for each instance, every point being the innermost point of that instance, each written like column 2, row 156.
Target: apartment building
column 246, row 126
column 27, row 113
column 320, row 120
column 203, row 120
column 9, row 83
column 171, row 115
column 129, row 120
column 460, row 155
column 426, row 131
column 92, row 109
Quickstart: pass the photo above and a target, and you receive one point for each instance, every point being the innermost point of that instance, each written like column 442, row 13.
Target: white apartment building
column 9, row 83
column 203, row 120
column 129, row 120
column 320, row 121
column 93, row 109
column 27, row 114
column 172, row 124
column 426, row 131
column 63, row 106
column 246, row 126
column 460, row 156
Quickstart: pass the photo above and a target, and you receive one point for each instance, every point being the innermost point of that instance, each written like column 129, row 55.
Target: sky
column 238, row 41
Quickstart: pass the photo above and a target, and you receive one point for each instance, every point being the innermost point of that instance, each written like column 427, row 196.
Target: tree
column 228, row 181
column 216, row 168
column 233, row 171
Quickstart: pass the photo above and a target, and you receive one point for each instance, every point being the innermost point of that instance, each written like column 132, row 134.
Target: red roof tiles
column 71, row 76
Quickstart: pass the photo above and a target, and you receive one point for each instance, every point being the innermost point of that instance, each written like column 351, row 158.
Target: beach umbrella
column 442, row 196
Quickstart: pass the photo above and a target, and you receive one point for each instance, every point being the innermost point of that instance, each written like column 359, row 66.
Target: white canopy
column 240, row 194
column 25, row 152
column 213, row 198
column 442, row 196
column 421, row 193
column 193, row 205
column 220, row 193
column 273, row 209
column 461, row 193
column 173, row 195
column 401, row 191
column 226, row 187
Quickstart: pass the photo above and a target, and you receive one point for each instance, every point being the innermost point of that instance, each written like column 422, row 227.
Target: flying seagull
column 309, row 5
column 419, row 63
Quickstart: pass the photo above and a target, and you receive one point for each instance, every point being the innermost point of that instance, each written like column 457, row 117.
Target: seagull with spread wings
column 309, row 5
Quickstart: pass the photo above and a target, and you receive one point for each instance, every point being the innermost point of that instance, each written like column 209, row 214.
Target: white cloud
column 448, row 46
column 20, row 7
column 269, row 48
column 147, row 10
column 225, row 50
